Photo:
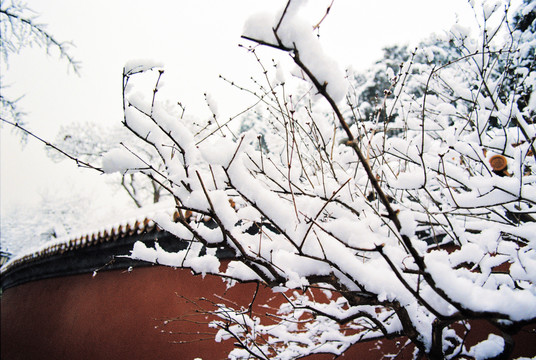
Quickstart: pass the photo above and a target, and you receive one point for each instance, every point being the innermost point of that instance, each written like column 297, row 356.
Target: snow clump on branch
column 295, row 32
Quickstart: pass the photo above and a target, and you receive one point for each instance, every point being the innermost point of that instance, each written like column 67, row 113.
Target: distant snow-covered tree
column 90, row 141
column 52, row 218
column 19, row 28
column 423, row 227
column 369, row 87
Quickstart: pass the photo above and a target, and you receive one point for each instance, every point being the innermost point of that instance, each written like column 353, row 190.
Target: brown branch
column 320, row 212
column 325, row 15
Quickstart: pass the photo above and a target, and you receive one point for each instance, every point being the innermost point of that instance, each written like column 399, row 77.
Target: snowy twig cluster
column 415, row 221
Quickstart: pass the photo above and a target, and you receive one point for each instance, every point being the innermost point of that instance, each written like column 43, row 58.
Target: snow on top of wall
column 126, row 224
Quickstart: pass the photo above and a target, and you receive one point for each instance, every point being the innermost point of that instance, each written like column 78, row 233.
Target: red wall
column 120, row 315
column 116, row 315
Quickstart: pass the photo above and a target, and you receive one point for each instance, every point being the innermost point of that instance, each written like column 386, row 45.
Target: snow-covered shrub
column 408, row 220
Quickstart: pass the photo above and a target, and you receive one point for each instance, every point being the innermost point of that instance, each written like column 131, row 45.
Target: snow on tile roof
column 134, row 223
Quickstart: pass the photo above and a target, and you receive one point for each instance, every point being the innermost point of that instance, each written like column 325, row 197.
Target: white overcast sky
column 196, row 40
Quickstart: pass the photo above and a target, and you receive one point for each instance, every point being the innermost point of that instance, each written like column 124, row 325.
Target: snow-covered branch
column 417, row 219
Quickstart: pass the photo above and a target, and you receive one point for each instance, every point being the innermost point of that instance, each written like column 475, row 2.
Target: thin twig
column 78, row 162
